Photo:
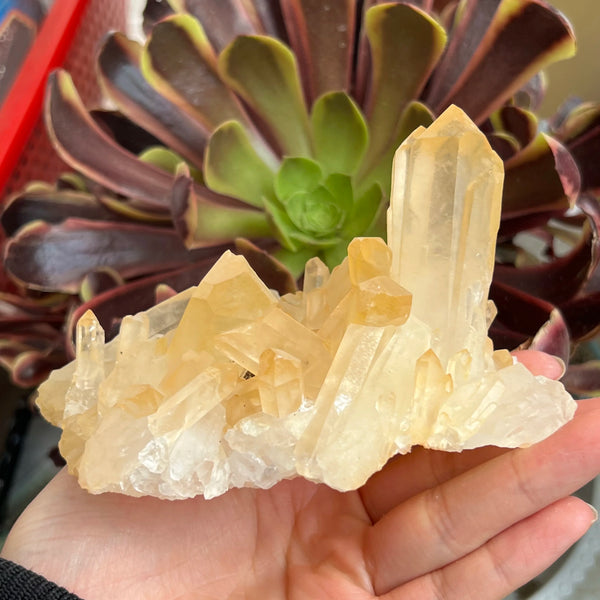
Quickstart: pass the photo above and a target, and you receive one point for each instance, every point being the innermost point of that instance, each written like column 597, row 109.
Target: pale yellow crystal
column 230, row 296
column 89, row 369
column 443, row 219
column 227, row 385
column 279, row 381
column 368, row 258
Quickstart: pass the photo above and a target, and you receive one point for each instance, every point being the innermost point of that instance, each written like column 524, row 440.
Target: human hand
column 430, row 525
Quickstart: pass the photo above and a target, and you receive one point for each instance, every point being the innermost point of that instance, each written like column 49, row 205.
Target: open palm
column 429, row 526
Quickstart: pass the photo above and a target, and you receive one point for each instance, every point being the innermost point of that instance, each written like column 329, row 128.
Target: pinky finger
column 508, row 560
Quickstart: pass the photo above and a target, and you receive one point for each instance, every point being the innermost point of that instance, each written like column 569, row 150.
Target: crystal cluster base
column 228, row 385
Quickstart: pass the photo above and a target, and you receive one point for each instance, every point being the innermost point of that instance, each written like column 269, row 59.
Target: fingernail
column 594, row 512
column 561, row 362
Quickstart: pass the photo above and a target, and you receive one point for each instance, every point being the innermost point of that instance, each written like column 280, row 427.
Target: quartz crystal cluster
column 228, row 385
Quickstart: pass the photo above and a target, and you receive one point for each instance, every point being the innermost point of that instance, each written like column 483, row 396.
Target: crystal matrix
column 227, row 385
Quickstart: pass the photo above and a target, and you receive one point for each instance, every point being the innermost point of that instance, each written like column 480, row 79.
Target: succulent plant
column 276, row 122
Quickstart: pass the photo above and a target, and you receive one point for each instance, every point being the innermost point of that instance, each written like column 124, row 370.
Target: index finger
column 421, row 469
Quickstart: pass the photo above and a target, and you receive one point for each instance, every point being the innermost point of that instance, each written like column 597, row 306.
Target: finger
column 407, row 475
column 447, row 522
column 410, row 474
column 507, row 561
column 540, row 363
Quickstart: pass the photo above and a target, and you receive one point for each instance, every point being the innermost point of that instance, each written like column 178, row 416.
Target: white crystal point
column 227, row 385
column 89, row 366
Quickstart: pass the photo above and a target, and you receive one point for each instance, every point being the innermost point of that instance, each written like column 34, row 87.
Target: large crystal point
column 443, row 219
column 228, row 385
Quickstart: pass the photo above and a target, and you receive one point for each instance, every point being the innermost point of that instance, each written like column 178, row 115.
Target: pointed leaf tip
column 264, row 73
column 233, row 167
column 340, row 133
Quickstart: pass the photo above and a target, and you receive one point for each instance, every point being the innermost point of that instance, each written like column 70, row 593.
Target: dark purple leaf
column 86, row 148
column 503, row 337
column 99, row 281
column 322, row 37
column 465, row 37
column 179, row 62
column 36, row 334
column 532, row 94
column 582, row 131
column 17, row 33
column 583, row 379
column 223, row 20
column 18, row 309
column 30, row 369
column 496, row 48
column 541, row 178
column 556, row 281
column 57, row 257
column 124, row 131
column 506, row 146
column 52, row 207
column 582, row 313
column 121, row 77
column 131, row 298
column 202, row 222
column 519, row 311
column 274, row 274
column 520, row 123
column 154, row 11
column 271, row 18
column 553, row 337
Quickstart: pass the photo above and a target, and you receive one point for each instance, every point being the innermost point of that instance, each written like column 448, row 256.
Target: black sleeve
column 17, row 583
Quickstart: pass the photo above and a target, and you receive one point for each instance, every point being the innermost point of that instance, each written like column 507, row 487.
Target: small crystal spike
column 89, row 369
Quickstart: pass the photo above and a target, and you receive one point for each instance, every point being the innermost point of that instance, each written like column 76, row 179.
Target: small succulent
column 271, row 125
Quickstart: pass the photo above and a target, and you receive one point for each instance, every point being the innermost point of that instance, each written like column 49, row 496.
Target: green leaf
column 365, row 212
column 179, row 62
column 334, row 255
column 121, row 78
column 263, row 72
column 340, row 133
column 415, row 115
column 406, row 44
column 162, row 158
column 166, row 159
column 340, row 187
column 202, row 222
column 315, row 212
column 233, row 167
column 282, row 224
column 295, row 261
column 288, row 234
column 297, row 175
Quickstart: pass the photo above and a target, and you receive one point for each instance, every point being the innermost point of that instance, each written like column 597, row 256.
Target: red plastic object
column 22, row 106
